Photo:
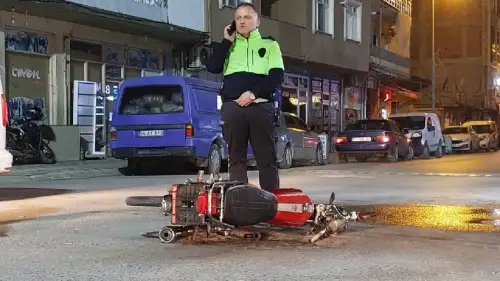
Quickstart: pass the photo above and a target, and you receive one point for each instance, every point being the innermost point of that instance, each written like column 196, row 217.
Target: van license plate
column 154, row 133
column 362, row 139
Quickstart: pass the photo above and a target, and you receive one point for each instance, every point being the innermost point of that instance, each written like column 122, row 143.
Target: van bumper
column 132, row 152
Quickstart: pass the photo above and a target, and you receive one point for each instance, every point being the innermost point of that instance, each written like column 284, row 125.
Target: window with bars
column 232, row 3
column 352, row 20
column 323, row 14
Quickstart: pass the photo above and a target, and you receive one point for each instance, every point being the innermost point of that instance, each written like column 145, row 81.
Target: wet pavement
column 451, row 218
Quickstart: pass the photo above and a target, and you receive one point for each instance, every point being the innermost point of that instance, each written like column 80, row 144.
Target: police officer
column 253, row 68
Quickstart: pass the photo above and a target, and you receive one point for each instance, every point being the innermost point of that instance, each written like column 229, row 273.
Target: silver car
column 297, row 143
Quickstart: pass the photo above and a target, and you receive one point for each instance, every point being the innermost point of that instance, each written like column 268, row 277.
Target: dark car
column 374, row 137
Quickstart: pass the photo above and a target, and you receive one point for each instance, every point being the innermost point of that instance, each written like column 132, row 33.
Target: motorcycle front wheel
column 47, row 156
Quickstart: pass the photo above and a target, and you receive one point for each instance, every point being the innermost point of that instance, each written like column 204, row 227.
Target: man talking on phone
column 253, row 68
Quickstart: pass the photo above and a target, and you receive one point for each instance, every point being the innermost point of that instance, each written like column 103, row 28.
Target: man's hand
column 227, row 36
column 245, row 99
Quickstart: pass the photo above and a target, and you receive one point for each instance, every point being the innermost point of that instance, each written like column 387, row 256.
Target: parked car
column 487, row 133
column 296, row 142
column 463, row 138
column 5, row 155
column 374, row 137
column 428, row 127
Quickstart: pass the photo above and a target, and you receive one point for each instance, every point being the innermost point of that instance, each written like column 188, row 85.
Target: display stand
column 89, row 115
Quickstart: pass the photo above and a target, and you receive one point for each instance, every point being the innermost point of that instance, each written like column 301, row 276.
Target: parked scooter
column 29, row 141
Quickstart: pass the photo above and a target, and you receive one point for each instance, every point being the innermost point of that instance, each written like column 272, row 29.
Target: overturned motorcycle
column 220, row 206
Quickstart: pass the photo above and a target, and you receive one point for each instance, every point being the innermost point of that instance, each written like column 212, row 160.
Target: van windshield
column 410, row 122
column 152, row 99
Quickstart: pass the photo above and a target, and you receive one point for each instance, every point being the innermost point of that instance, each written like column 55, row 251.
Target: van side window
column 206, row 100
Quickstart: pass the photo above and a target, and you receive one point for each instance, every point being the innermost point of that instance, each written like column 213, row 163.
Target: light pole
column 433, row 58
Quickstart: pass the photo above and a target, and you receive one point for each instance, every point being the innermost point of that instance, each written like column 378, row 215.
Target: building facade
column 391, row 87
column 50, row 45
column 326, row 46
column 467, row 35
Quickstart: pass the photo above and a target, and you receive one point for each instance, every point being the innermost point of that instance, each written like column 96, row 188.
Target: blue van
column 170, row 119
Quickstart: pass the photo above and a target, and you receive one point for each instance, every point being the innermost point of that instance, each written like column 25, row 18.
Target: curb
column 62, row 175
column 76, row 174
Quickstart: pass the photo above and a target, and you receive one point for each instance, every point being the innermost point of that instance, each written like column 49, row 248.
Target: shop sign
column 27, row 73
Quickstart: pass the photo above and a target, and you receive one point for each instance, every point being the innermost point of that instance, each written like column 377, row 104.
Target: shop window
column 85, row 51
column 142, row 59
column 94, row 72
column 132, row 73
column 111, row 55
column 25, row 41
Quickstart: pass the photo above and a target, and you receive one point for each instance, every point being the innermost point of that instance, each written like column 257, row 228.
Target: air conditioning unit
column 198, row 57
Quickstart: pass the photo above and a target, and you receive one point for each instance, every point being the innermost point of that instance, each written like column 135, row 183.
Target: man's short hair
column 246, row 4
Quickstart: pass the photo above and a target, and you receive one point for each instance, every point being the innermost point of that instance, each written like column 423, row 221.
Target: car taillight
column 112, row 133
column 340, row 139
column 5, row 112
column 189, row 131
column 383, row 139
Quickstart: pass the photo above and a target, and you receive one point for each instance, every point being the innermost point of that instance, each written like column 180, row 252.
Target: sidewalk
column 64, row 170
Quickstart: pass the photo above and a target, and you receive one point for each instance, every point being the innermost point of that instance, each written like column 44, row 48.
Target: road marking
column 345, row 176
column 357, row 174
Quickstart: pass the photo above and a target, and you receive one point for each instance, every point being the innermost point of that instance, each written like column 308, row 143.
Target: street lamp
column 433, row 58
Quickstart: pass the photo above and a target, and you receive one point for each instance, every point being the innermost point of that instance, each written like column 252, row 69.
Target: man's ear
column 258, row 22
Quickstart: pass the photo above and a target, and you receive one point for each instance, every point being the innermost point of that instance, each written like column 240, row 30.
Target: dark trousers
column 253, row 123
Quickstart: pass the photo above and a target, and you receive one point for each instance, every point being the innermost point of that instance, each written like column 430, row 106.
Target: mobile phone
column 232, row 28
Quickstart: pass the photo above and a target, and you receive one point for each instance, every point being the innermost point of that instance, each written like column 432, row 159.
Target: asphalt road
column 100, row 240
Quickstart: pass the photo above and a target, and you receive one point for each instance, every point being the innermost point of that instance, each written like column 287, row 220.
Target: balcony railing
column 404, row 6
column 189, row 14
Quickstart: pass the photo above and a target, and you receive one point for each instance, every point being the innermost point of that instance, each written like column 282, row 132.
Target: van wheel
column 134, row 167
column 287, row 158
column 426, row 153
column 214, row 160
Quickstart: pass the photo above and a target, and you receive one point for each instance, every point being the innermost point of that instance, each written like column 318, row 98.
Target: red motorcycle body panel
column 294, row 208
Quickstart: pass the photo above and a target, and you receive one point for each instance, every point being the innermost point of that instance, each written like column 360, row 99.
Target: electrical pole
column 433, row 57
